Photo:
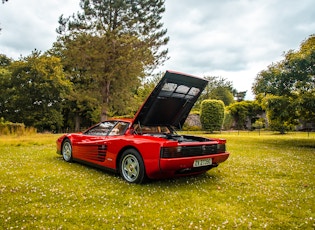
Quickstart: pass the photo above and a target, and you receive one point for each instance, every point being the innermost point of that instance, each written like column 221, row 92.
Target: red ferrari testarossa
column 147, row 146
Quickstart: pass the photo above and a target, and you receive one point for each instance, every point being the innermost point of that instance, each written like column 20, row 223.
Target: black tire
column 131, row 167
column 66, row 150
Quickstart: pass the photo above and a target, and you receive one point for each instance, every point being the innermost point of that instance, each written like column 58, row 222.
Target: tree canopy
column 109, row 46
column 243, row 112
column 218, row 88
column 32, row 91
column 295, row 75
column 101, row 62
column 290, row 85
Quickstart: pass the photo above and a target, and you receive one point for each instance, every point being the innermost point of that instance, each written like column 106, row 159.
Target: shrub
column 9, row 128
column 228, row 120
column 259, row 123
column 212, row 115
column 191, row 128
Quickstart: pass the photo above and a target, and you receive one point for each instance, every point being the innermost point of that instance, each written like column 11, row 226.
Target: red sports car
column 147, row 146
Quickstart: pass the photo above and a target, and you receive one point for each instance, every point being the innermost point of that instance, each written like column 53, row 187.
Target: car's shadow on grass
column 307, row 146
column 204, row 178
column 210, row 176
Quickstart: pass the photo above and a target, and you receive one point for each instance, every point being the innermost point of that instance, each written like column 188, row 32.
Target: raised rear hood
column 171, row 100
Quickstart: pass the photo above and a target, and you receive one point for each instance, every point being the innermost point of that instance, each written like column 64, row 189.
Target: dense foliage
column 33, row 90
column 280, row 113
column 107, row 49
column 218, row 88
column 103, row 52
column 287, row 88
column 101, row 66
column 244, row 112
column 212, row 115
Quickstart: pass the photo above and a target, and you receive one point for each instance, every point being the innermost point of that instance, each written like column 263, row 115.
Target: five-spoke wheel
column 131, row 166
column 66, row 150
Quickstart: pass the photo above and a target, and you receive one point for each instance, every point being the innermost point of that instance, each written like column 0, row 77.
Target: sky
column 232, row 39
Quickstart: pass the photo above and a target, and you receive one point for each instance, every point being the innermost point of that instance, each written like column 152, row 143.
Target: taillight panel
column 189, row 151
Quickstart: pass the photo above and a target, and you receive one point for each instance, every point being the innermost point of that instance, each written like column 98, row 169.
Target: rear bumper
column 184, row 166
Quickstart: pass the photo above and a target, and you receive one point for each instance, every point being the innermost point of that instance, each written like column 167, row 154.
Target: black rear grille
column 188, row 151
column 191, row 151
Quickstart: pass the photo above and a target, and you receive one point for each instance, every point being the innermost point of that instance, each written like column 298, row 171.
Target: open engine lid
column 171, row 100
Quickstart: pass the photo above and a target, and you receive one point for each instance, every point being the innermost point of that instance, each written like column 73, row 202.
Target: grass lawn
column 267, row 183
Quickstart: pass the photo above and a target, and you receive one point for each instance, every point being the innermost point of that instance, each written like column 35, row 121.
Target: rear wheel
column 131, row 166
column 66, row 150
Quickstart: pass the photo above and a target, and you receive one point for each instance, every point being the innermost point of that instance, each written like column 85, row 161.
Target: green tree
column 292, row 76
column 292, row 82
column 306, row 108
column 228, row 119
column 212, row 115
column 36, row 86
column 218, row 88
column 280, row 113
column 4, row 60
column 111, row 44
column 142, row 92
column 80, row 109
column 239, row 112
column 272, row 81
column 243, row 112
column 101, row 81
column 240, row 95
column 5, row 89
column 222, row 93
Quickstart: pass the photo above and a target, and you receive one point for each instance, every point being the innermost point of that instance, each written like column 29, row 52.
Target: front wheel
column 66, row 150
column 131, row 166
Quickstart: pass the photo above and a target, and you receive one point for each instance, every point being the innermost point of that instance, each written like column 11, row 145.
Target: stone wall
column 193, row 120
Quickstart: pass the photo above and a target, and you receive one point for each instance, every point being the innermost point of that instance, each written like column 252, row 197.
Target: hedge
column 212, row 115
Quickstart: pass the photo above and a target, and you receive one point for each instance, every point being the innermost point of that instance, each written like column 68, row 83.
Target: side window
column 119, row 129
column 101, row 129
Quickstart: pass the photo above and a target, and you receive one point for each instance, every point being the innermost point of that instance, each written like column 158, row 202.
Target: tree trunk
column 105, row 100
column 104, row 112
column 77, row 123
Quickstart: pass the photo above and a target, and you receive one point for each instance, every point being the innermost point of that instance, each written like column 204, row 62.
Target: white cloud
column 29, row 25
column 234, row 39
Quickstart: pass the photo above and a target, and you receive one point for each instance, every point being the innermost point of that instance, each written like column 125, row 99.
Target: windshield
column 151, row 129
